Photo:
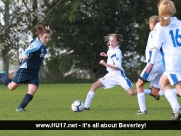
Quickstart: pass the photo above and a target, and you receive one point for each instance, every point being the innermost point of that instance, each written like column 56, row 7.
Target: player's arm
column 157, row 41
column 33, row 47
column 153, row 53
column 108, row 65
column 116, row 58
column 103, row 54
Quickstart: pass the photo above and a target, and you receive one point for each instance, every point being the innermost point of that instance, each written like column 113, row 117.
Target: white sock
column 175, row 91
column 147, row 91
column 89, row 98
column 172, row 99
column 161, row 93
column 141, row 101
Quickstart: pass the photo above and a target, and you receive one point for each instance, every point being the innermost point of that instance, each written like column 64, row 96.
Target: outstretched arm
column 108, row 65
column 152, row 60
column 103, row 54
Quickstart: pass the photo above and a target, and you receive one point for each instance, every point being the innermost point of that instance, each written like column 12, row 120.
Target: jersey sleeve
column 153, row 54
column 157, row 39
column 32, row 47
column 157, row 42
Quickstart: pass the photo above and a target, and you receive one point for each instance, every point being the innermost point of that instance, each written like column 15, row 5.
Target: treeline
column 78, row 28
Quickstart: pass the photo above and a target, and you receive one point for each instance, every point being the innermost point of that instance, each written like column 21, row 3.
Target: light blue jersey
column 35, row 52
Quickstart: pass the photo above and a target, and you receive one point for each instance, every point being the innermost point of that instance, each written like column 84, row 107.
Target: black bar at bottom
column 88, row 125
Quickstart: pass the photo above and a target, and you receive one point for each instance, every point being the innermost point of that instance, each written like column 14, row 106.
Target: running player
column 115, row 75
column 150, row 74
column 28, row 71
column 167, row 35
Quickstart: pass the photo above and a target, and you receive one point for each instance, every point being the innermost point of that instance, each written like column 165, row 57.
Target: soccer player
column 115, row 75
column 150, row 74
column 28, row 71
column 167, row 35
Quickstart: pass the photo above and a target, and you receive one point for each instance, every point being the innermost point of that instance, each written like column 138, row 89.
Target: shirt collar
column 114, row 48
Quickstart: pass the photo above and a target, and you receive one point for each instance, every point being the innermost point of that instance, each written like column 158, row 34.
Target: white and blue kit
column 29, row 68
column 157, row 70
column 168, row 39
column 115, row 77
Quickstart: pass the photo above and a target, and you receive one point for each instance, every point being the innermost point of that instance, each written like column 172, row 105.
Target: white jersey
column 148, row 51
column 114, row 58
column 115, row 77
column 157, row 70
column 168, row 39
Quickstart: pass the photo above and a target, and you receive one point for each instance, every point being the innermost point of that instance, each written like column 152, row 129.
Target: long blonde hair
column 166, row 9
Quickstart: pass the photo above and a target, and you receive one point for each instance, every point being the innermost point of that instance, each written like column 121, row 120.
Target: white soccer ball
column 77, row 106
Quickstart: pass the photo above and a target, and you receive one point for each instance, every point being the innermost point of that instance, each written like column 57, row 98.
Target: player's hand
column 47, row 27
column 102, row 62
column 149, row 67
column 25, row 57
column 103, row 54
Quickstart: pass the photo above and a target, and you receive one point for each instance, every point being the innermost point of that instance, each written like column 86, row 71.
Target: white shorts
column 116, row 78
column 154, row 75
column 173, row 78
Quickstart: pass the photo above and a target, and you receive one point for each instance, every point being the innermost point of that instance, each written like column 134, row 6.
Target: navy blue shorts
column 26, row 76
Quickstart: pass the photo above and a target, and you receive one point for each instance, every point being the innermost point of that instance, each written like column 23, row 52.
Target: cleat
column 3, row 72
column 178, row 95
column 176, row 116
column 20, row 109
column 86, row 108
column 141, row 112
column 156, row 97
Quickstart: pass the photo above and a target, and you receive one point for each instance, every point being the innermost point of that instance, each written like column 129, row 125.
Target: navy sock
column 5, row 79
column 27, row 98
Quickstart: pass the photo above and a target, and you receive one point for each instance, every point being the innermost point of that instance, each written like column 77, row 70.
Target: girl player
column 28, row 71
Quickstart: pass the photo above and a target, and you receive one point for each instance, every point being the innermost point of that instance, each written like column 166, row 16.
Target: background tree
column 82, row 26
column 78, row 29
column 5, row 35
column 23, row 16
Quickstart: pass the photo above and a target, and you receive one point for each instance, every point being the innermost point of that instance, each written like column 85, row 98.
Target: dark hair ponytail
column 40, row 30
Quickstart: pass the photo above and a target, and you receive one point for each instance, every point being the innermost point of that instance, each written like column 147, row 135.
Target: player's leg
column 8, row 82
column 157, row 72
column 171, row 96
column 91, row 93
column 125, row 83
column 141, row 96
column 162, row 93
column 32, row 88
column 155, row 92
column 131, row 92
column 177, row 116
column 28, row 97
column 178, row 88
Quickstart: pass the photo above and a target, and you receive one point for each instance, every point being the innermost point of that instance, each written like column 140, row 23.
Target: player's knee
column 138, row 85
column 11, row 88
column 94, row 87
column 32, row 91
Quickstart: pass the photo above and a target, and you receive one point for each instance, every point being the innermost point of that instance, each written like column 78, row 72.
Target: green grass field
column 53, row 102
